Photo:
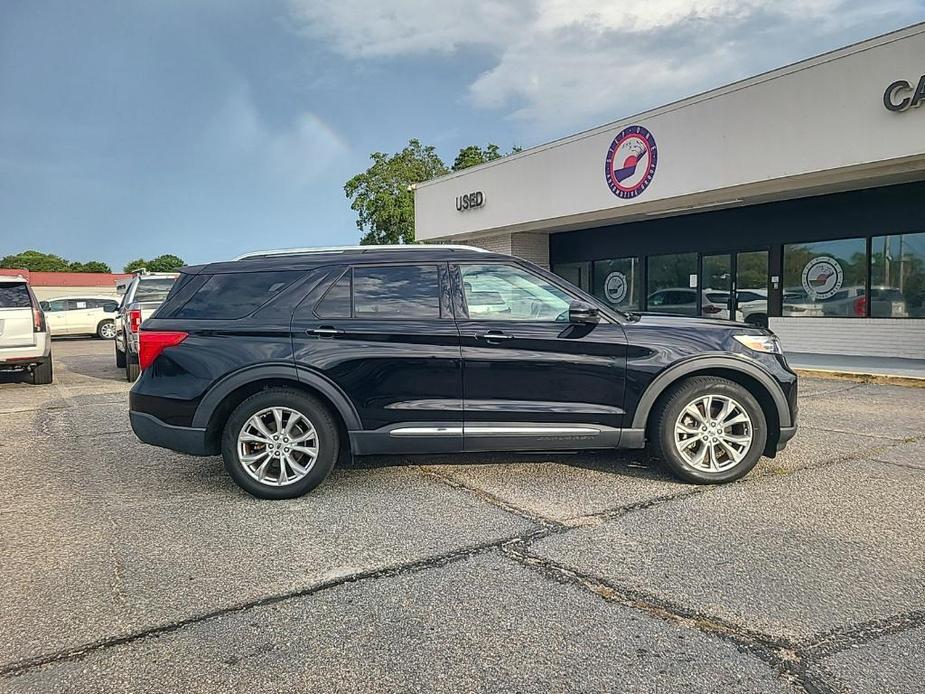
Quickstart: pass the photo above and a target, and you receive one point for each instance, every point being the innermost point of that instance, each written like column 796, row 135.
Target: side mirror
column 580, row 312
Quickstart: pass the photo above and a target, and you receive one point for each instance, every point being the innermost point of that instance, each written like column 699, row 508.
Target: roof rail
column 363, row 249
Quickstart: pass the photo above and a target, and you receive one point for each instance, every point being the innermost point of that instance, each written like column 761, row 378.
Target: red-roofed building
column 50, row 285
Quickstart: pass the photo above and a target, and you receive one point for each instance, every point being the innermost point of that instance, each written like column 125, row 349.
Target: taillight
column 712, row 309
column 860, row 306
column 152, row 342
column 38, row 315
column 134, row 320
column 38, row 319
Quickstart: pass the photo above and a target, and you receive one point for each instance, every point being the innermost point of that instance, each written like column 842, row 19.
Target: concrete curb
column 859, row 377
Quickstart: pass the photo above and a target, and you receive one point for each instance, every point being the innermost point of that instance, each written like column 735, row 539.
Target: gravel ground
column 129, row 568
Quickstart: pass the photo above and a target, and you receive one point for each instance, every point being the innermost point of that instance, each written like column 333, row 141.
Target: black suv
column 282, row 361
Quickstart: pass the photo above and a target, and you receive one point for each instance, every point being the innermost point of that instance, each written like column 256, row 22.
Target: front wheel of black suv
column 280, row 443
column 708, row 430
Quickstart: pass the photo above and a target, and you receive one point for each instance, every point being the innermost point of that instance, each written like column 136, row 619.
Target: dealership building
column 794, row 199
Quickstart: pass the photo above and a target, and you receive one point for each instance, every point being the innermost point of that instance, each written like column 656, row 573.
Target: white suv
column 24, row 343
column 82, row 315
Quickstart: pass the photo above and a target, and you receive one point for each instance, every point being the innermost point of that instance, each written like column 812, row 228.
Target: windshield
column 154, row 289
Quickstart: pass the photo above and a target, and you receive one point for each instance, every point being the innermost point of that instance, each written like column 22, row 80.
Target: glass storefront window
column 897, row 276
column 669, row 283
column 578, row 274
column 825, row 278
column 616, row 283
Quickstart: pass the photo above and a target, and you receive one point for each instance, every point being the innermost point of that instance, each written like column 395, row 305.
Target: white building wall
column 817, row 123
column 866, row 337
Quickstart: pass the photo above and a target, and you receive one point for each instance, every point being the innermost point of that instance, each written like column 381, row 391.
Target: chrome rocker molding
column 454, row 437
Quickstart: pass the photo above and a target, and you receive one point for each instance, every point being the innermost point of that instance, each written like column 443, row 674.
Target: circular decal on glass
column 615, row 287
column 822, row 277
column 631, row 161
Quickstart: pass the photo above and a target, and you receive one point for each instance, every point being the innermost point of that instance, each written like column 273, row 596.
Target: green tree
column 162, row 263
column 135, row 265
column 89, row 266
column 35, row 261
column 381, row 197
column 474, row 155
column 166, row 263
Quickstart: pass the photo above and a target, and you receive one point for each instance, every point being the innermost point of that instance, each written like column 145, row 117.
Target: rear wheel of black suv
column 280, row 443
column 708, row 430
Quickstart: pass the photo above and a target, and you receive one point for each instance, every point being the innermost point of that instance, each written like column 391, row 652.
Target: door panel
column 396, row 370
column 80, row 315
column 543, row 373
column 522, row 371
column 56, row 316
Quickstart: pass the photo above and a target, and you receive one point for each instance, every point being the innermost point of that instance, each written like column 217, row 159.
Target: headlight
column 761, row 343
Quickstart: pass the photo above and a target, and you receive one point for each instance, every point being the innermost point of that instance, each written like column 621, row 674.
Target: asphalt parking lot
column 130, row 568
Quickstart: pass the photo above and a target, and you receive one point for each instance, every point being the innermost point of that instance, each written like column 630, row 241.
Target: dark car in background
column 283, row 360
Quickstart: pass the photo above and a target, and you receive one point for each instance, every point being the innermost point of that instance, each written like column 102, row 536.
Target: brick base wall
column 866, row 337
column 527, row 245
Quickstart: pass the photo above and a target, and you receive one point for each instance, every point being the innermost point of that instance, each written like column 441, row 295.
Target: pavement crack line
column 782, row 655
column 838, row 640
column 83, row 650
column 494, row 500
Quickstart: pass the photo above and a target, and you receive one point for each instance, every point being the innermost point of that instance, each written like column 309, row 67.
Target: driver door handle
column 324, row 331
column 493, row 335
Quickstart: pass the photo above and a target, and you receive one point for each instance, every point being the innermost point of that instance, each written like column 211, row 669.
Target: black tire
column 132, row 369
column 120, row 358
column 328, row 442
column 102, row 326
column 43, row 374
column 667, row 413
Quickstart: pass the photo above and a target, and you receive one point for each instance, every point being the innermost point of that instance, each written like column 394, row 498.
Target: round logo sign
column 615, row 287
column 822, row 277
column 631, row 161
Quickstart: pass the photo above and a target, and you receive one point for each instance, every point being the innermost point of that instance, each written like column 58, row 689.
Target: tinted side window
column 236, row 295
column 14, row 295
column 78, row 304
column 401, row 291
column 336, row 302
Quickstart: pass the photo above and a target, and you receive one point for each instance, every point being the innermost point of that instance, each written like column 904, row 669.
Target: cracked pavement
column 129, row 568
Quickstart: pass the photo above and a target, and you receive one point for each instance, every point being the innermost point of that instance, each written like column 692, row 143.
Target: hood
column 694, row 322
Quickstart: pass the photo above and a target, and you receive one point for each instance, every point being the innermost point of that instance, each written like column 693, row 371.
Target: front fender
column 707, row 362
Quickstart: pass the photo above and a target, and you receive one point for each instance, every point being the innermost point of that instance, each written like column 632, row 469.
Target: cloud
column 562, row 64
column 295, row 153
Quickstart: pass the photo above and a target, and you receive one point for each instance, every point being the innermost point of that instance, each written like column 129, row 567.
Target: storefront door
column 734, row 286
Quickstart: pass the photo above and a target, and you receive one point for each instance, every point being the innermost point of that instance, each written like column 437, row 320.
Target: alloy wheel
column 277, row 446
column 108, row 331
column 713, row 433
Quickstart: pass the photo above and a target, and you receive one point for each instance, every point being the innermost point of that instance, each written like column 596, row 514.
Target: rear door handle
column 324, row 331
column 493, row 335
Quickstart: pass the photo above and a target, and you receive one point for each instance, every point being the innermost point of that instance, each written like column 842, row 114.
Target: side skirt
column 454, row 437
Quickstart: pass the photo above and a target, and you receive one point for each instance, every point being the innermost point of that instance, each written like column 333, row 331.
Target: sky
column 207, row 128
